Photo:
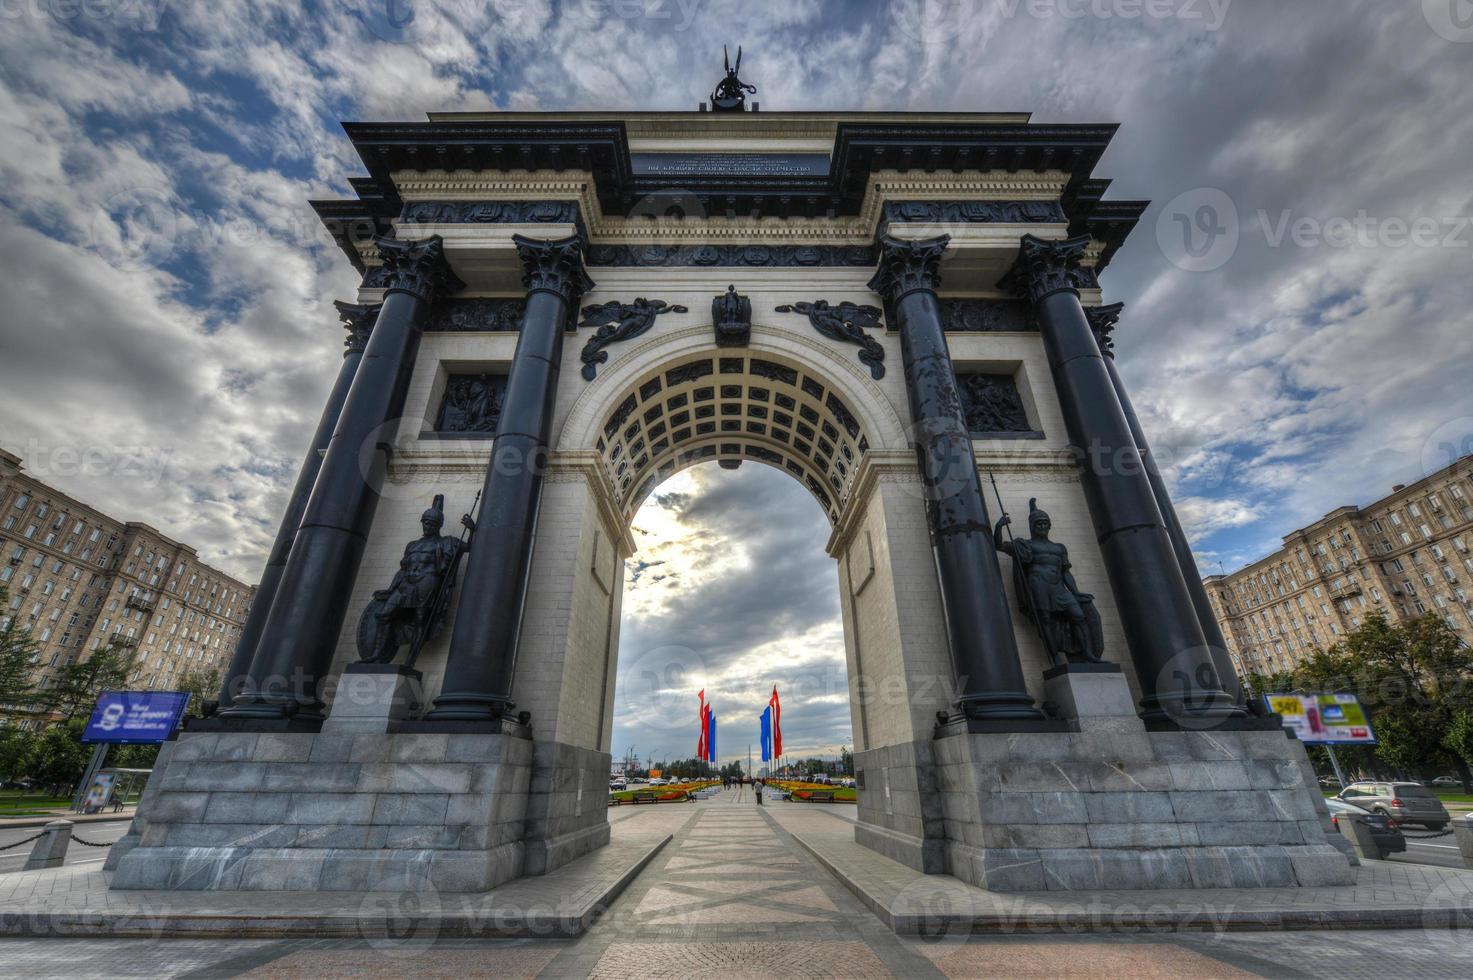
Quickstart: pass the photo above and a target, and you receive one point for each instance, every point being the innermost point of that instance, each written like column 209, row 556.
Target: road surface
column 95, row 831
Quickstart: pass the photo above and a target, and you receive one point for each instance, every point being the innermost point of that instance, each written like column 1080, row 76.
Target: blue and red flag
column 701, row 720
column 777, row 729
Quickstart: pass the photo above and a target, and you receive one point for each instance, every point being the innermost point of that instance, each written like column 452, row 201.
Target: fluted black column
column 1102, row 321
column 359, row 320
column 301, row 630
column 488, row 618
column 990, row 683
column 1178, row 678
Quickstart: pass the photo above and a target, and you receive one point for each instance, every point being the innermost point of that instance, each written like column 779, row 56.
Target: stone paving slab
column 1386, row 895
column 78, row 902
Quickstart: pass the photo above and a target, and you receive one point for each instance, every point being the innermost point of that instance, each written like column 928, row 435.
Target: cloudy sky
column 1298, row 326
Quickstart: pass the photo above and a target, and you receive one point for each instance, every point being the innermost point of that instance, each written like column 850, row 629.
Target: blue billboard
column 135, row 717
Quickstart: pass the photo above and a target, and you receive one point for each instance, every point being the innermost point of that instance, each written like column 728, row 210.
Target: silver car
column 1402, row 802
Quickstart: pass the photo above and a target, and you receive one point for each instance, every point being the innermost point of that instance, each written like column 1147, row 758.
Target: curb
column 392, row 925
column 1143, row 918
column 20, row 823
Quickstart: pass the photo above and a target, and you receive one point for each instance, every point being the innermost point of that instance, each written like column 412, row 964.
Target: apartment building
column 1407, row 554
column 80, row 578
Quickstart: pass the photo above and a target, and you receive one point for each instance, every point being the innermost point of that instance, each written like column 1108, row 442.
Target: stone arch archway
column 678, row 403
column 596, row 402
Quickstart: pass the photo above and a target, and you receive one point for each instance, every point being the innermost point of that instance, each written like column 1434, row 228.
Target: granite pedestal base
column 302, row 812
column 1133, row 810
column 899, row 812
column 372, row 698
column 567, row 805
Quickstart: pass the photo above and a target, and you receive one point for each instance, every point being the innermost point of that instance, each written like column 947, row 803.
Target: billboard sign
column 100, row 792
column 1324, row 719
column 135, row 717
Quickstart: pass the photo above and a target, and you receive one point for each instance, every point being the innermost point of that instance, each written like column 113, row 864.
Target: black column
column 488, row 617
column 1179, row 681
column 1102, row 321
column 979, row 626
column 301, row 630
column 359, row 320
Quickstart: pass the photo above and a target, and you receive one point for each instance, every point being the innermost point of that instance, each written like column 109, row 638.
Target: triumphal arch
column 900, row 310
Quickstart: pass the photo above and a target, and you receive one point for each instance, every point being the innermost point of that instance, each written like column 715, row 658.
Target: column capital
column 908, row 266
column 1044, row 267
column 359, row 319
column 417, row 267
column 1102, row 321
column 554, row 266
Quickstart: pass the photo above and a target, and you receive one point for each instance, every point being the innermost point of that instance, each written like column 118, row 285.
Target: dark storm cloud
column 746, row 571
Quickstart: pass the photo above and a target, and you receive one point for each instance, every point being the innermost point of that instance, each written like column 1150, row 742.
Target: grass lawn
column 16, row 803
column 800, row 791
column 663, row 794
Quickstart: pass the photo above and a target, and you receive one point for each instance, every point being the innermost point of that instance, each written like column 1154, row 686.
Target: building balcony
column 143, row 602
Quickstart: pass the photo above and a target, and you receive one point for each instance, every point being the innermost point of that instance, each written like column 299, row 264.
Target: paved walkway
column 1386, row 894
column 733, row 894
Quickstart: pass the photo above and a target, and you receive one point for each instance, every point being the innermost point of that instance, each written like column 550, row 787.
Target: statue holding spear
column 412, row 609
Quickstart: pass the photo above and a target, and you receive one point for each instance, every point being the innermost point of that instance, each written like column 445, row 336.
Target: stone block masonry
column 302, row 812
column 1085, row 811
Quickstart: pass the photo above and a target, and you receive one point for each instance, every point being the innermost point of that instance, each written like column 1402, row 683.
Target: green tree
column 59, row 758
column 1459, row 740
column 202, row 685
column 18, row 653
column 1415, row 678
column 17, row 745
column 78, row 684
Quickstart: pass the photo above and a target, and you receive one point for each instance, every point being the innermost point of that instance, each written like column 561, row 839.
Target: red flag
column 777, row 731
column 701, row 718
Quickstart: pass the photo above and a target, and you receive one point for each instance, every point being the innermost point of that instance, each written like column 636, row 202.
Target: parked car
column 1447, row 782
column 617, row 784
column 1402, row 802
column 1388, row 839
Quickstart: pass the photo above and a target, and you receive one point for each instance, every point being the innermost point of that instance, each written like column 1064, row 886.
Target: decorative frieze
column 975, row 212
column 477, row 314
column 616, row 322
column 987, row 316
column 846, row 323
column 753, row 256
column 490, row 212
column 471, row 403
column 992, row 405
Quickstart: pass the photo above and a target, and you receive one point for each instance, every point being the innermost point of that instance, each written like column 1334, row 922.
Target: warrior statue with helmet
column 412, row 609
column 1047, row 594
